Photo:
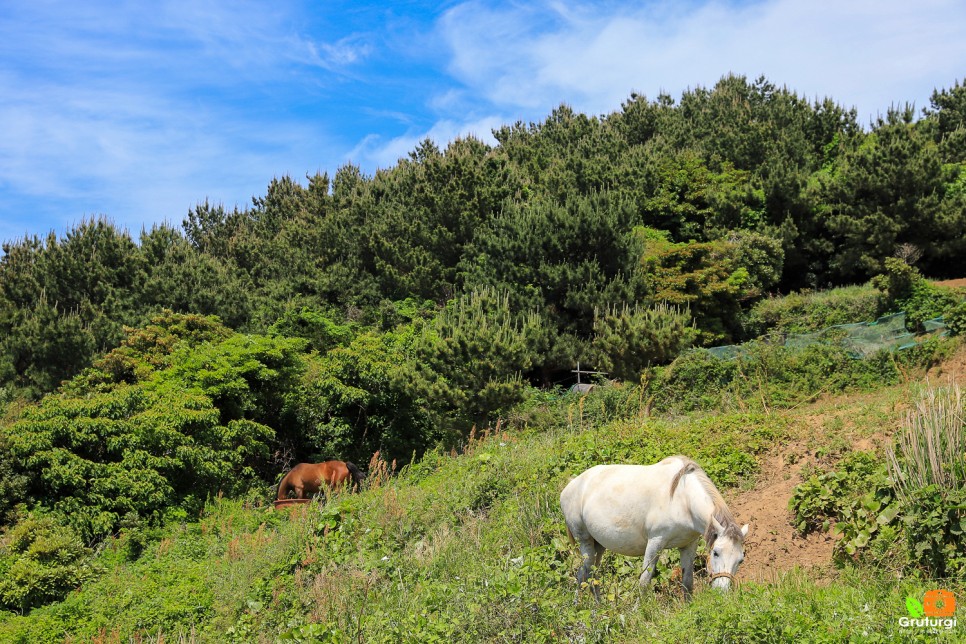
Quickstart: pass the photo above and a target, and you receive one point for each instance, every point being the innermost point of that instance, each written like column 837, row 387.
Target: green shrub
column 159, row 447
column 370, row 395
column 956, row 319
column 819, row 500
column 935, row 530
column 925, row 302
column 629, row 340
column 40, row 562
column 147, row 349
column 897, row 281
column 763, row 375
column 695, row 380
column 867, row 525
column 96, row 459
column 857, row 500
column 13, row 482
column 712, row 279
column 812, row 311
column 906, row 290
column 315, row 327
column 480, row 347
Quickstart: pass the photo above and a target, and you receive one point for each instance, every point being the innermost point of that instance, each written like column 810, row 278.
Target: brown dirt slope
column 773, row 546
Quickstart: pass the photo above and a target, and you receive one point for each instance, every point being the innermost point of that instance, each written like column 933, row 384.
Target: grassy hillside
column 472, row 547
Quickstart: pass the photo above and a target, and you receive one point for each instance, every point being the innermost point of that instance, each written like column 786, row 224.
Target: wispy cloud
column 141, row 111
column 338, row 55
column 138, row 111
column 860, row 52
column 375, row 152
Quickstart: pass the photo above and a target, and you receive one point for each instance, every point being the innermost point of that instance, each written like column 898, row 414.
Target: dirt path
column 773, row 546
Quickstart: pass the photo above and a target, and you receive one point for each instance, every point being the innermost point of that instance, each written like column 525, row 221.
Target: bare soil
column 773, row 546
column 956, row 283
column 951, row 371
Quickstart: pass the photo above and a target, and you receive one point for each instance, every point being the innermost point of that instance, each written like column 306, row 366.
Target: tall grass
column 931, row 445
column 929, row 471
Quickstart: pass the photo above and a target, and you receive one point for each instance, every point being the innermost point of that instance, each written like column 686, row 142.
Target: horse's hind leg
column 592, row 553
column 598, row 557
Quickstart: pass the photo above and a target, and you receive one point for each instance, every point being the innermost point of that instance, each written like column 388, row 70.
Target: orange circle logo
column 939, row 603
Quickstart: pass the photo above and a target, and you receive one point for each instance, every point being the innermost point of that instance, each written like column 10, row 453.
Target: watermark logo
column 937, row 610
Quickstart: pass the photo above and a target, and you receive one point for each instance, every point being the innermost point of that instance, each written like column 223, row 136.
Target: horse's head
column 358, row 476
column 727, row 551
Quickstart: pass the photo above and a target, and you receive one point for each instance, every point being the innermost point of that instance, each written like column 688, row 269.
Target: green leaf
column 888, row 515
column 914, row 606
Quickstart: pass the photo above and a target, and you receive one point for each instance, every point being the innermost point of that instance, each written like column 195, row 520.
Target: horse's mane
column 721, row 513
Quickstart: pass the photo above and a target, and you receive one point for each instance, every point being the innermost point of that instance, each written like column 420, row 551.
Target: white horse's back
column 621, row 505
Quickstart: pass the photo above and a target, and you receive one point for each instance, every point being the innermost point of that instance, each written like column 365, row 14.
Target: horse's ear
column 718, row 529
column 744, row 530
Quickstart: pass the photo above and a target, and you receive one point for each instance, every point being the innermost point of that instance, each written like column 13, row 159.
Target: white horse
column 642, row 509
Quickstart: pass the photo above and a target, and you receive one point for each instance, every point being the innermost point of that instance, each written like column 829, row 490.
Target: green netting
column 936, row 324
column 802, row 340
column 861, row 339
column 887, row 332
column 726, row 352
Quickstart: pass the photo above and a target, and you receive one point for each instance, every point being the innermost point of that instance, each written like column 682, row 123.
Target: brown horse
column 309, row 478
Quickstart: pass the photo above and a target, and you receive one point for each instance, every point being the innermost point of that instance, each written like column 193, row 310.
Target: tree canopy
column 355, row 313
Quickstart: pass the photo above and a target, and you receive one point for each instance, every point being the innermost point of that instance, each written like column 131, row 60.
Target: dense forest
column 394, row 312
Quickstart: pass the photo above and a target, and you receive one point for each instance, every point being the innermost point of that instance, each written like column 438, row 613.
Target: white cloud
column 345, row 52
column 860, row 52
column 140, row 159
column 139, row 116
column 374, row 152
column 138, row 111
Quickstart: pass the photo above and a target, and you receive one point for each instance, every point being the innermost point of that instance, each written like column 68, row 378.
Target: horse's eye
column 716, row 553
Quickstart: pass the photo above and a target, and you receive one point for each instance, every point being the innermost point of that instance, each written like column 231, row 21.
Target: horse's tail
column 570, row 536
column 689, row 466
column 357, row 475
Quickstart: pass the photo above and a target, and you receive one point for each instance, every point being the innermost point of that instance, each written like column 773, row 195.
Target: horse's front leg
column 653, row 549
column 688, row 553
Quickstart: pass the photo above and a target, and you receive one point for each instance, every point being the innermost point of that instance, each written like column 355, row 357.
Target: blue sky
column 137, row 111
